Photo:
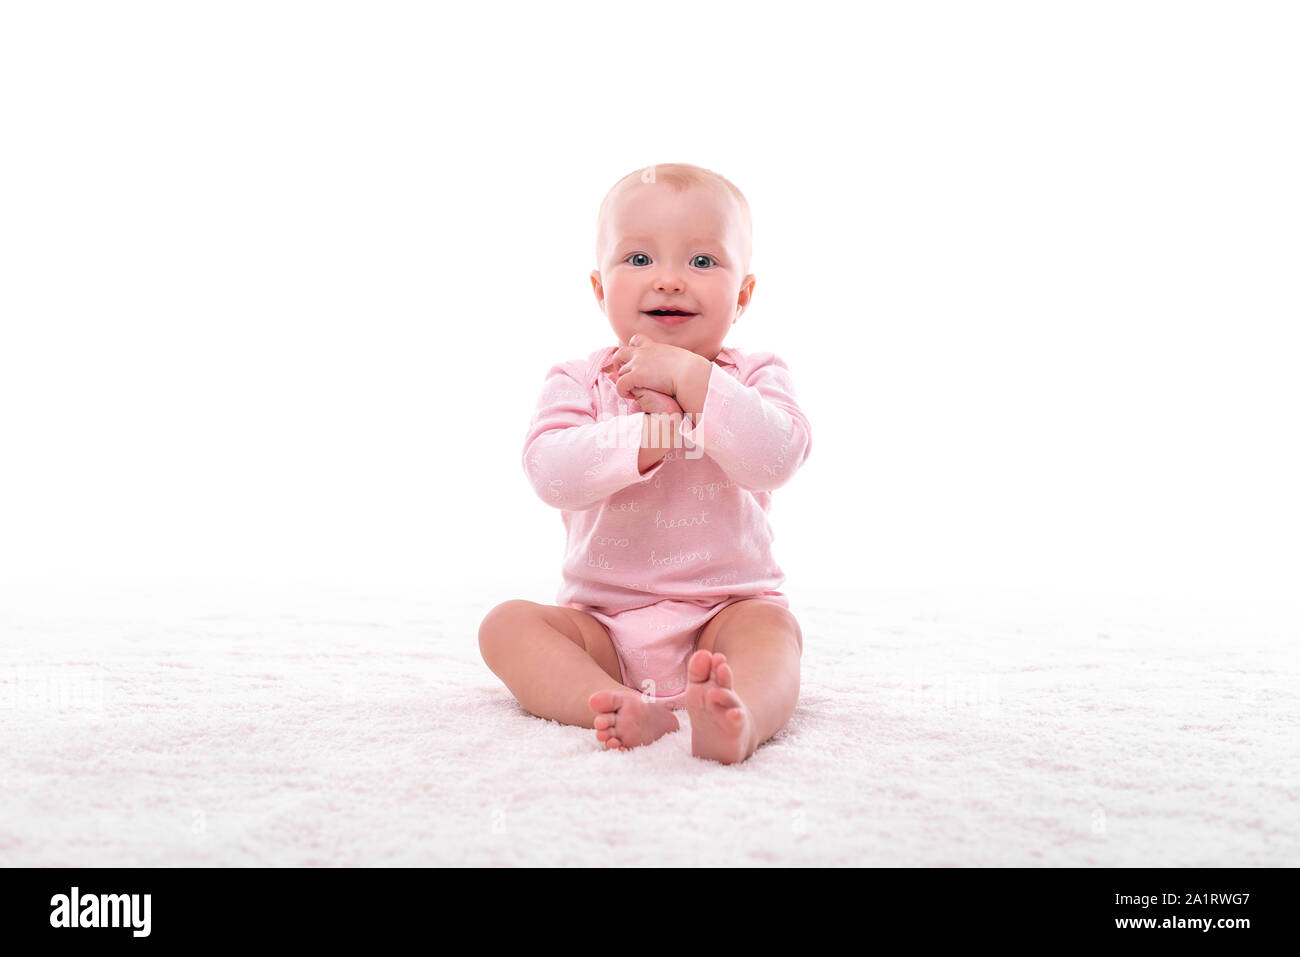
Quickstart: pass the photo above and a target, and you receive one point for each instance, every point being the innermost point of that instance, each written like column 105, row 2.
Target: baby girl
column 661, row 454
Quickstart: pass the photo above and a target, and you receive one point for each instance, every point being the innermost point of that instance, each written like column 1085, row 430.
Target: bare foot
column 624, row 719
column 721, row 726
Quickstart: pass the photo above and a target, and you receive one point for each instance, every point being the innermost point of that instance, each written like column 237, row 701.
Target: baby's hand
column 646, row 364
column 649, row 400
column 656, row 402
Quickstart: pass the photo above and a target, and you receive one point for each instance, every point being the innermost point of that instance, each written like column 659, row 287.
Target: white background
column 279, row 283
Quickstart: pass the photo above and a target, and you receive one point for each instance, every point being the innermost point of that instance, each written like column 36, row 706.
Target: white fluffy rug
column 317, row 728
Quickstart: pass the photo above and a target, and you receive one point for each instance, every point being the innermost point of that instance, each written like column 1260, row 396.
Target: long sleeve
column 573, row 459
column 754, row 430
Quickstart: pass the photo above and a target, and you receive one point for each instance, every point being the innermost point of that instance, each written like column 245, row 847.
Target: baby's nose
column 668, row 282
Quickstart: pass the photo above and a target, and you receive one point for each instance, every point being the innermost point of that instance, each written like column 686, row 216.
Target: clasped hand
column 648, row 372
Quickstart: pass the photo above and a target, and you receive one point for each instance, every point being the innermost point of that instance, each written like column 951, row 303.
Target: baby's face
column 660, row 249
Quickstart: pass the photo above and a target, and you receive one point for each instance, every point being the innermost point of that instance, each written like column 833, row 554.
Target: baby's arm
column 663, row 422
column 755, row 431
column 574, row 461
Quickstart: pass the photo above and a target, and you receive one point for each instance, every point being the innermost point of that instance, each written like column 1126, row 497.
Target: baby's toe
column 723, row 698
column 603, row 701
column 700, row 665
column 604, row 721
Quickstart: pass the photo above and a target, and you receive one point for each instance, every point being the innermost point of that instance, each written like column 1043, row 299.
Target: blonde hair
column 680, row 176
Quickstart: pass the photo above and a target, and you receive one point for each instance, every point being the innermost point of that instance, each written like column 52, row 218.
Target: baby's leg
column 560, row 664
column 743, row 680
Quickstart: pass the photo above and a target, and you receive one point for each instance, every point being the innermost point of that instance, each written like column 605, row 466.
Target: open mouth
column 669, row 312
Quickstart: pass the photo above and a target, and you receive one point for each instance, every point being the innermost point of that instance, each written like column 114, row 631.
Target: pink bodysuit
column 653, row 557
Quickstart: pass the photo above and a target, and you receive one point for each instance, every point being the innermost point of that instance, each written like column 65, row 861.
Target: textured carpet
column 300, row 727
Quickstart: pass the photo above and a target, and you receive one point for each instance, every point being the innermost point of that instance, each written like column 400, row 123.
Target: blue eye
column 639, row 256
column 695, row 261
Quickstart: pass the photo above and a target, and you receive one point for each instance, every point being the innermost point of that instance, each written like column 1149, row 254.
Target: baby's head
column 674, row 237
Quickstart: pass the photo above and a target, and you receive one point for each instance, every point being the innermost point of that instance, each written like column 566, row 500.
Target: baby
column 661, row 454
